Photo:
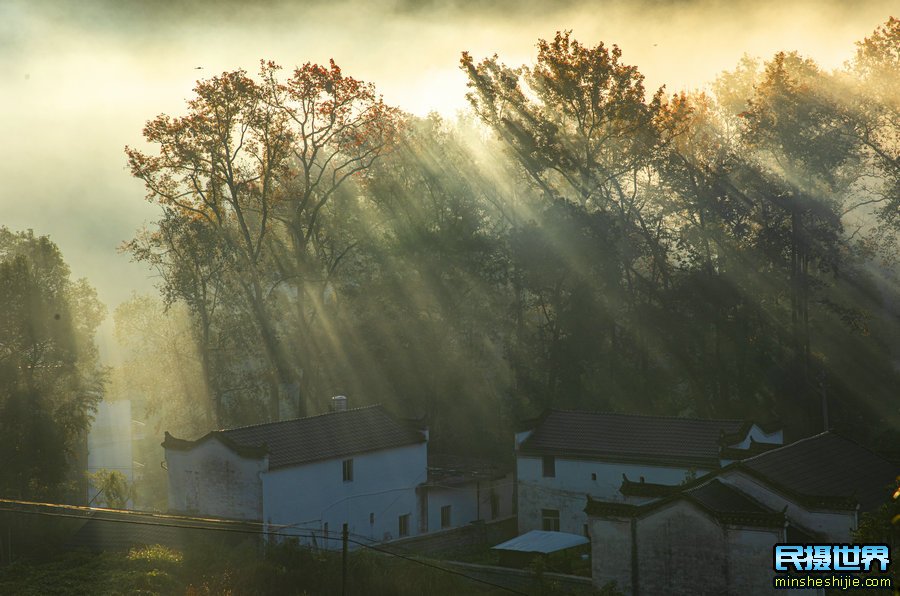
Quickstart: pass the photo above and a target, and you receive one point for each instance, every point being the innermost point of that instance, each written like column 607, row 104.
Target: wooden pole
column 344, row 535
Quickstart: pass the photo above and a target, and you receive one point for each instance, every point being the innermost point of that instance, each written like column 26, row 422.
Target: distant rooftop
column 722, row 501
column 825, row 470
column 314, row 438
column 721, row 498
column 629, row 437
column 830, row 466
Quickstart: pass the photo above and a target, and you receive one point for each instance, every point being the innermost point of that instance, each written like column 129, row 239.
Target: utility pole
column 344, row 536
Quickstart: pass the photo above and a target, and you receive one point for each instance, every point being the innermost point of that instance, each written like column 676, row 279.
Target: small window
column 404, row 525
column 445, row 516
column 593, row 475
column 348, row 470
column 371, row 518
column 495, row 505
column 550, row 519
column 549, row 466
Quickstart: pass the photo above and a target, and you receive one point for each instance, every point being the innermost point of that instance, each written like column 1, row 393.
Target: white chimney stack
column 339, row 403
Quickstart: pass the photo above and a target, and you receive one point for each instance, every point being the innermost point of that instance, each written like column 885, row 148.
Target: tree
column 255, row 163
column 50, row 377
column 114, row 489
column 799, row 140
column 582, row 130
column 869, row 96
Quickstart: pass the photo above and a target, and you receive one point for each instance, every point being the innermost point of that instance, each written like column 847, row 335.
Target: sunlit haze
column 80, row 80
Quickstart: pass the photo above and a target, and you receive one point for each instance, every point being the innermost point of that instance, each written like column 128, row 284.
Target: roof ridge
column 786, row 445
column 797, row 442
column 670, row 417
column 259, row 424
column 824, row 433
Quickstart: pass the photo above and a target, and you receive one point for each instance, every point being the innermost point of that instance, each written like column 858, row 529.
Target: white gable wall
column 835, row 525
column 213, row 480
column 750, row 558
column 566, row 491
column 302, row 499
column 760, row 436
column 682, row 550
column 611, row 551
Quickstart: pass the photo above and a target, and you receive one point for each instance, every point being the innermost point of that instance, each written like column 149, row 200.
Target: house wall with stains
column 211, row 479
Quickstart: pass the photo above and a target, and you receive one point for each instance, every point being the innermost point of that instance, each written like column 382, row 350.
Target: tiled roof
column 629, row 488
column 449, row 469
column 316, row 438
column 626, row 437
column 825, row 470
column 729, row 504
column 827, row 465
column 721, row 501
column 722, row 498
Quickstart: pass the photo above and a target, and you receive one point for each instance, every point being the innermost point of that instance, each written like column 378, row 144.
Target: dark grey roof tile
column 314, row 438
column 689, row 441
column 828, row 465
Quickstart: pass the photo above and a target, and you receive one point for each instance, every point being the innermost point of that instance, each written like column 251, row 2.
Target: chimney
column 339, row 403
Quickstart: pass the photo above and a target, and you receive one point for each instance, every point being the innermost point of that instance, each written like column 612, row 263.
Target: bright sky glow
column 80, row 80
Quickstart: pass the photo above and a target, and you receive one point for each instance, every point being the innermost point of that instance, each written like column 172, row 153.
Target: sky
column 79, row 80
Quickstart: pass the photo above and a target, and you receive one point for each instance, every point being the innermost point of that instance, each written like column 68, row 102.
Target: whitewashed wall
column 760, row 436
column 837, row 526
column 211, row 479
column 567, row 491
column 302, row 499
column 682, row 550
column 470, row 501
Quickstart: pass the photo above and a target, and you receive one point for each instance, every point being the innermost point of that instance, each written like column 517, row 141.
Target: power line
column 438, row 567
column 89, row 514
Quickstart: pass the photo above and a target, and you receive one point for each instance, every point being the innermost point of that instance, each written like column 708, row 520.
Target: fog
column 79, row 81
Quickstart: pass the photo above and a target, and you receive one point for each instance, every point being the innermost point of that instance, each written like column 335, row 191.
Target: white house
column 716, row 534
column 461, row 490
column 564, row 456
column 306, row 477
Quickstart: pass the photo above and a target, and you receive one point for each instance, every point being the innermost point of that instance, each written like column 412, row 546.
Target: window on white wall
column 347, row 466
column 445, row 516
column 549, row 466
column 550, row 519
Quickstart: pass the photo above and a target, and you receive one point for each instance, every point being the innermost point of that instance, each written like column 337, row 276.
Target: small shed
column 556, row 548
